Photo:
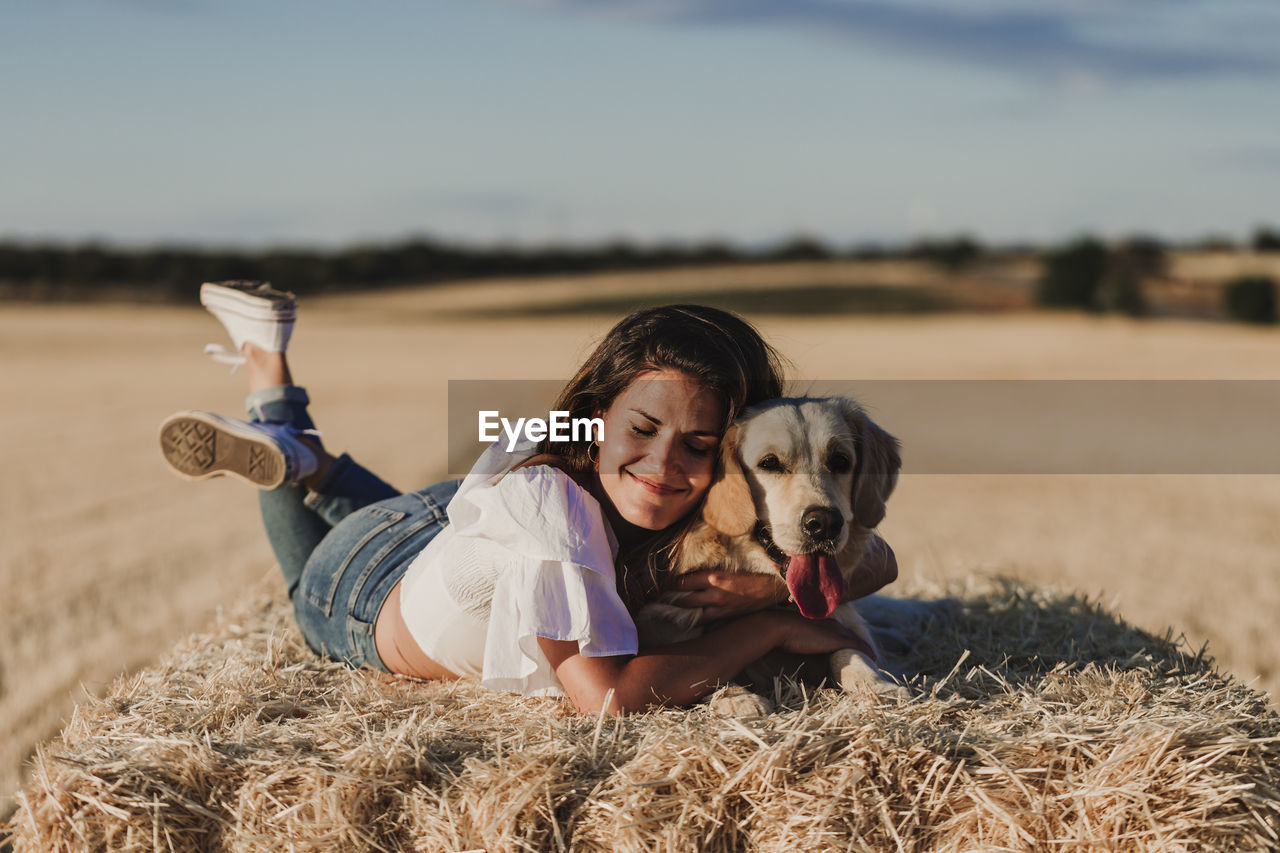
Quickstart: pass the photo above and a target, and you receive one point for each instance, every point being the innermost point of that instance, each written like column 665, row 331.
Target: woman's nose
column 664, row 456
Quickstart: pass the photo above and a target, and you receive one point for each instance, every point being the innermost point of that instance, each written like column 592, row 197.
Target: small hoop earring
column 595, row 458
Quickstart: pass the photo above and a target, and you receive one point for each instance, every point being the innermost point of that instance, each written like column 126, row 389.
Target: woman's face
column 659, row 448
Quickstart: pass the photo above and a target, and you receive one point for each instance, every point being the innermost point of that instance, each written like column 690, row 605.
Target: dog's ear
column 876, row 472
column 729, row 508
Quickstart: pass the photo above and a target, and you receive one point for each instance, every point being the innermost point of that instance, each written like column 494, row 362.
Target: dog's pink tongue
column 815, row 583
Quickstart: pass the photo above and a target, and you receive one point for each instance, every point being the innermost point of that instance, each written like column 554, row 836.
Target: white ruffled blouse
column 531, row 552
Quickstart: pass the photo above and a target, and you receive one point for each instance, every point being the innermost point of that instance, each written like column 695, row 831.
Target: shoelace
column 222, row 355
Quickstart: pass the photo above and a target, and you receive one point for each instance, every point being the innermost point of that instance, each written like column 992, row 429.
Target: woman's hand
column 803, row 636
column 725, row 594
column 878, row 569
column 680, row 673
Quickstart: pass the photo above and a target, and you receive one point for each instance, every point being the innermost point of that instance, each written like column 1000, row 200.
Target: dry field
column 108, row 559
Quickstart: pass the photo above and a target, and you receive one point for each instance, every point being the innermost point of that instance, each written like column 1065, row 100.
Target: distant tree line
column 47, row 270
column 1085, row 273
column 166, row 273
column 1089, row 274
column 1251, row 299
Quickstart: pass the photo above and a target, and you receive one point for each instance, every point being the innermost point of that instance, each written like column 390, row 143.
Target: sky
column 324, row 122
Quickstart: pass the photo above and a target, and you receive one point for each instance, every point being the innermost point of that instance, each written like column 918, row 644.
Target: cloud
column 1058, row 39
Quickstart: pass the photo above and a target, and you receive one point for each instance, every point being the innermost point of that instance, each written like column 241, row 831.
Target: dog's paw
column 737, row 701
column 855, row 673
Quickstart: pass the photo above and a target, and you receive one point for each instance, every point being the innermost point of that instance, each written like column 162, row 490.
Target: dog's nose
column 821, row 522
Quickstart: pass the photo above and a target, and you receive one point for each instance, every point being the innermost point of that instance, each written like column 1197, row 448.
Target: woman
column 511, row 576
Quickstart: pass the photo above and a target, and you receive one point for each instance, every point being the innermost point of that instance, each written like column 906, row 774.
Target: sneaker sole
column 198, row 447
column 283, row 307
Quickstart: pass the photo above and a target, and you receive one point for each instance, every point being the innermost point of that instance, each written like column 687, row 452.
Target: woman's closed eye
column 695, row 449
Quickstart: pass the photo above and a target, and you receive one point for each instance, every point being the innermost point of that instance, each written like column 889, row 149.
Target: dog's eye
column 839, row 463
column 770, row 463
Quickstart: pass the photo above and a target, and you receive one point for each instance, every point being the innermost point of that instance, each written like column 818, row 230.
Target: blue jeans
column 345, row 544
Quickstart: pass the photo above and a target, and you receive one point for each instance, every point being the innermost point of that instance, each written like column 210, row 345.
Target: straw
column 1039, row 721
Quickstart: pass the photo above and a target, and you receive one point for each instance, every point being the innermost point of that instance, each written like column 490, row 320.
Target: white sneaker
column 198, row 445
column 251, row 312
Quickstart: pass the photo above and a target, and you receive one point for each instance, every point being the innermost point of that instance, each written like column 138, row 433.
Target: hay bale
column 1039, row 720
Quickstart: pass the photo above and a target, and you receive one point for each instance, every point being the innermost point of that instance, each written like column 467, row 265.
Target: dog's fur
column 815, row 473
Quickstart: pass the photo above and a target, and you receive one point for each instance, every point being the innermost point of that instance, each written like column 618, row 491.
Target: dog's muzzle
column 816, row 585
column 821, row 524
column 765, row 538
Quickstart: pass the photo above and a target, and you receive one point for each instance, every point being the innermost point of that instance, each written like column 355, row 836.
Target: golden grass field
column 107, row 559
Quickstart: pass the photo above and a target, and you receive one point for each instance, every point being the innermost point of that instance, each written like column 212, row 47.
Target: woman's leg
column 345, row 538
column 342, row 536
column 298, row 516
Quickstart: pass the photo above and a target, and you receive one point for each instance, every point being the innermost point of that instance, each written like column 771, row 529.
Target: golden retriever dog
column 802, row 483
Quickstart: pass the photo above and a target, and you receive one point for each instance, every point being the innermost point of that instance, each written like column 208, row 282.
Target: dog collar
column 776, row 554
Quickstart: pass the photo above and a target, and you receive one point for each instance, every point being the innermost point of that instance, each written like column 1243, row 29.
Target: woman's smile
column 656, row 488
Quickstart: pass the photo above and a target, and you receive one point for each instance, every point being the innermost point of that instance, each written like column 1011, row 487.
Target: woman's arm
column 725, row 594
column 684, row 672
column 878, row 569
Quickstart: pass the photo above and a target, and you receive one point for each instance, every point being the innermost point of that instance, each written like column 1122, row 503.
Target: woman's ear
column 876, row 472
column 728, row 507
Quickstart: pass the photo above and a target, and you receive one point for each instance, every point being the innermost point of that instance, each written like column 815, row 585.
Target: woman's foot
column 252, row 312
column 198, row 445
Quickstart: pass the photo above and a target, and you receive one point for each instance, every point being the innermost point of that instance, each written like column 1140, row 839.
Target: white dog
column 802, row 483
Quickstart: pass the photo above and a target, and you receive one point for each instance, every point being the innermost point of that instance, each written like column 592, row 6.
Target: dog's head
column 811, row 472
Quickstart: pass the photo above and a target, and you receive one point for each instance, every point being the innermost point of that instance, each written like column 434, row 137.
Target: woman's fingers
column 715, row 612
column 697, row 581
column 820, row 636
column 699, row 592
column 724, row 594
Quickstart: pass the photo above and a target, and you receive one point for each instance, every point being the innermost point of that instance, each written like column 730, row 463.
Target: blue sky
column 147, row 121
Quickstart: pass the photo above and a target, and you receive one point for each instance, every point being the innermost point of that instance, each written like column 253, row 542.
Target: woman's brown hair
column 718, row 348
